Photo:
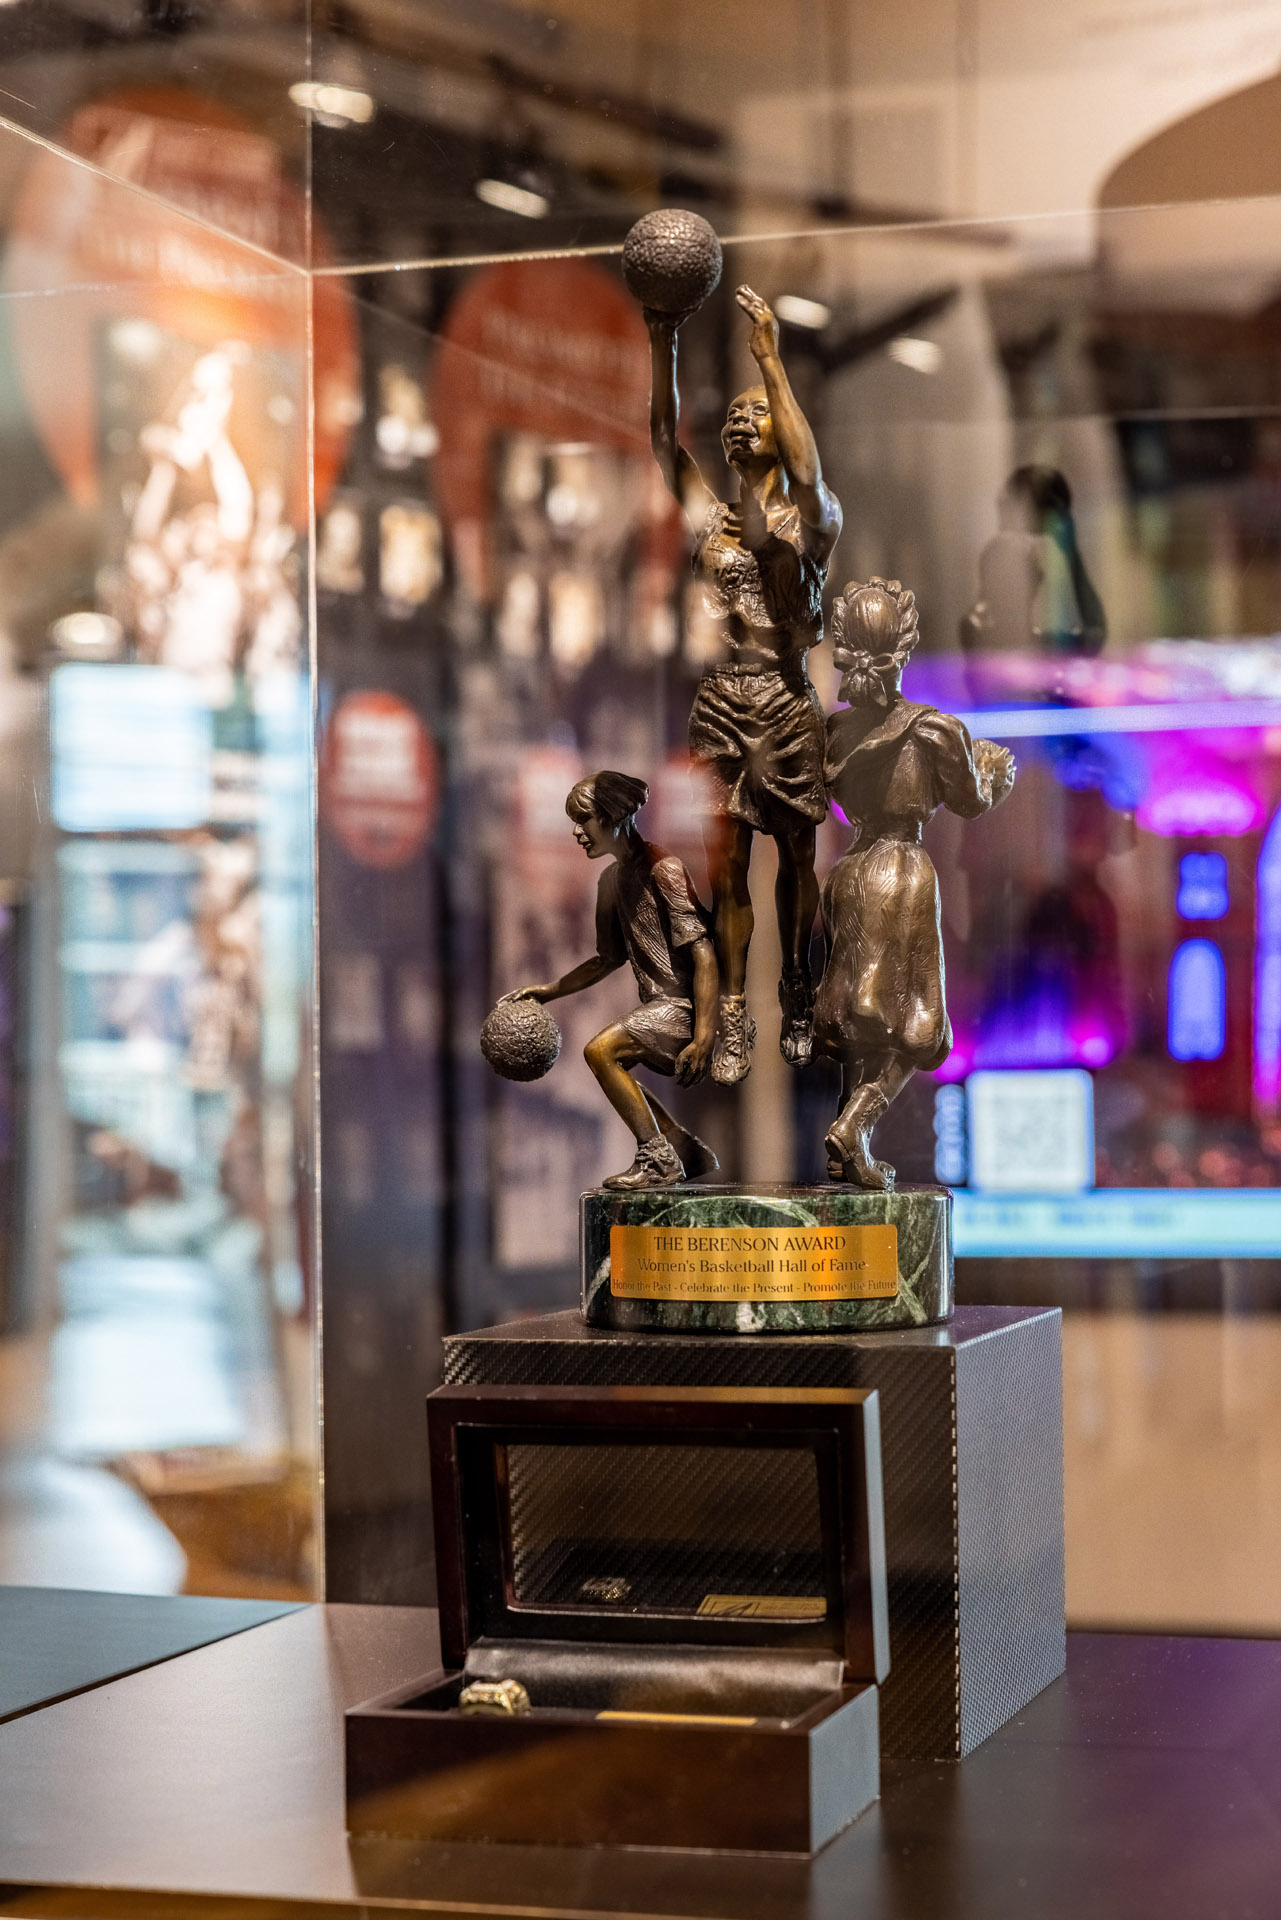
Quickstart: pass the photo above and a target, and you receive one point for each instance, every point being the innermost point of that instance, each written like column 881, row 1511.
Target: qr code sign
column 1031, row 1132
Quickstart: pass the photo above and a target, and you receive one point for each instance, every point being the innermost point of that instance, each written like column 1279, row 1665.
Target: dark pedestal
column 972, row 1450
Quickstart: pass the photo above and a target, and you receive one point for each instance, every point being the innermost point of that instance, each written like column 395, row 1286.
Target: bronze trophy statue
column 623, row 1527
column 851, row 1252
column 756, row 726
column 890, row 765
column 648, row 913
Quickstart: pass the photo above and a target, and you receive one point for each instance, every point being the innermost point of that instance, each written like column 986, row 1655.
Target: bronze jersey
column 647, row 912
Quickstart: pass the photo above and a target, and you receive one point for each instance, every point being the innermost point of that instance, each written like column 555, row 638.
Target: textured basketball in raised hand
column 520, row 1040
column 671, row 260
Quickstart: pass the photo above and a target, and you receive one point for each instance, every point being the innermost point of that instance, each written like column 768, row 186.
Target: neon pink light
column 1199, row 803
column 958, row 1065
column 1033, row 1040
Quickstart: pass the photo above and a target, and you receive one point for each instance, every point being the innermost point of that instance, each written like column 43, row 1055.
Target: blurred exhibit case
column 333, row 554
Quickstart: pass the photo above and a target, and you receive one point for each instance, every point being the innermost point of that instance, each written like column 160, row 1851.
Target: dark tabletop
column 56, row 1641
column 1147, row 1782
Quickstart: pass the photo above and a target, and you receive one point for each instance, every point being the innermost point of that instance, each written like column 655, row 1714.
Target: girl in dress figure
column 890, row 765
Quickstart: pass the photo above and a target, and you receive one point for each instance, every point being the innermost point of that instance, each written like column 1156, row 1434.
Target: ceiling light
column 88, row 635
column 799, row 312
column 333, row 106
column 140, row 341
column 509, row 198
column 923, row 356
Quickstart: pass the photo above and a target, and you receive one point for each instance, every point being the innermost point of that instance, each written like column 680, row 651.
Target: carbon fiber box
column 972, row 1449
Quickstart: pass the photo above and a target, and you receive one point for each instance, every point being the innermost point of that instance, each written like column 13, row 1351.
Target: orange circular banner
column 379, row 779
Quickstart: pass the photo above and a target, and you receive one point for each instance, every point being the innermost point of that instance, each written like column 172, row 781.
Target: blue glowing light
column 951, row 1156
column 1203, row 886
column 1198, row 1000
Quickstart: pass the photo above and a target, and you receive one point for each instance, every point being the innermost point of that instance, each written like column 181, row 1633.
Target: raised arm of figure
column 678, row 468
column 797, row 448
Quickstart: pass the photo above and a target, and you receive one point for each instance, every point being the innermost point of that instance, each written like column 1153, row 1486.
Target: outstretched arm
column 586, row 974
column 611, row 950
column 678, row 468
column 819, row 509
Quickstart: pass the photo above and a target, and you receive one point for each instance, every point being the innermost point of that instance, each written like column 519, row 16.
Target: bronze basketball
column 520, row 1040
column 671, row 260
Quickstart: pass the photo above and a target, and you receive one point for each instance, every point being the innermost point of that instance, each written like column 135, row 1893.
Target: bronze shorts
column 760, row 736
column 662, row 1029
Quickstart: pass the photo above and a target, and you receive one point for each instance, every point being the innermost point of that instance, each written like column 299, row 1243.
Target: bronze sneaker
column 736, row 1036
column 796, row 1034
column 656, row 1165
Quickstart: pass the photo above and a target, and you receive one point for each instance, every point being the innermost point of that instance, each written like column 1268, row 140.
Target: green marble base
column 922, row 1217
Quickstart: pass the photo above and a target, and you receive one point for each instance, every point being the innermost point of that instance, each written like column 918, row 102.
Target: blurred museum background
column 332, row 552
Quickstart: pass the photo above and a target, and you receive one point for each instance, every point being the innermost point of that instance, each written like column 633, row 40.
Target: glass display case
column 332, row 552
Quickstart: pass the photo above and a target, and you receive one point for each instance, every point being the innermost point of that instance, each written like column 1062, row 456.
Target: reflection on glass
column 159, row 1432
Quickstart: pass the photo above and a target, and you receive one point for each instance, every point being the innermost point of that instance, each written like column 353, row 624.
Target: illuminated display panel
column 1174, row 1020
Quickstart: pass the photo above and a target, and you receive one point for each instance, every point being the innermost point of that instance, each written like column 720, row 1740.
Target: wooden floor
column 1172, row 1425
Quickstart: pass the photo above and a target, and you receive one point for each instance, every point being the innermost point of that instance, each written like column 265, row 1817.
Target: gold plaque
column 763, row 1606
column 753, row 1263
column 684, row 1719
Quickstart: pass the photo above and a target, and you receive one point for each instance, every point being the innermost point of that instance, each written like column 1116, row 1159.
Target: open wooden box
column 690, row 1585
